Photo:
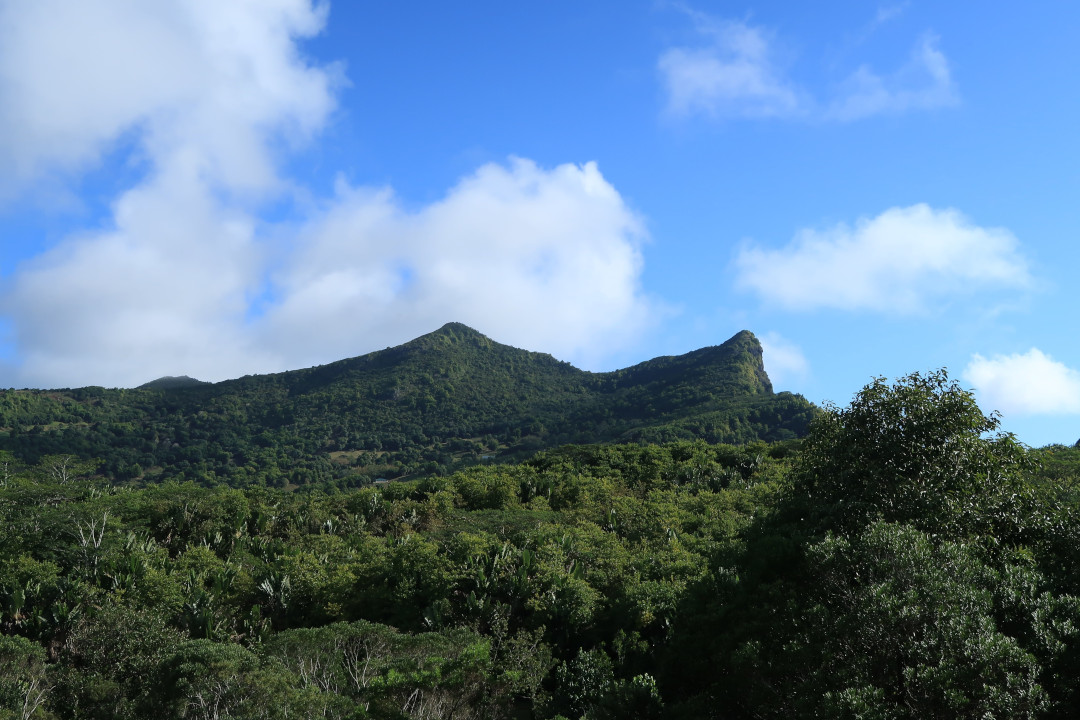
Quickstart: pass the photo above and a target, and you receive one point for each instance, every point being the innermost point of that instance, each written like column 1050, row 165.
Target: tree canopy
column 904, row 561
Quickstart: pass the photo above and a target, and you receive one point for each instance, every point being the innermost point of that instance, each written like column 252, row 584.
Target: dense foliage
column 441, row 402
column 902, row 562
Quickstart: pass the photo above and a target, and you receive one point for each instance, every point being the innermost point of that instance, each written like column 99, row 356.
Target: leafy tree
column 209, row 680
column 26, row 680
column 112, row 662
column 901, row 626
column 917, row 451
column 895, row 580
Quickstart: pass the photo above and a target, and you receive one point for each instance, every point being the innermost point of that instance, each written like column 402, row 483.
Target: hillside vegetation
column 903, row 561
column 445, row 400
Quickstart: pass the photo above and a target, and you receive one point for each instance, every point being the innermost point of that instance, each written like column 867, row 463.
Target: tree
column 897, row 580
column 209, row 680
column 901, row 626
column 25, row 682
column 919, row 451
column 65, row 468
column 111, row 662
column 9, row 467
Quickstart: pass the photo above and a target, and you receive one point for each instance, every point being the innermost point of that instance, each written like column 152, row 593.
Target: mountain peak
column 450, row 334
column 172, row 382
column 457, row 330
column 746, row 343
column 733, row 368
column 744, row 336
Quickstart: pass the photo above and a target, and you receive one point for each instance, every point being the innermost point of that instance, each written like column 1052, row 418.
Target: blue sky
column 224, row 188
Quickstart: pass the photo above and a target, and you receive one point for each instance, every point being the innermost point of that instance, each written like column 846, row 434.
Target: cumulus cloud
column 205, row 93
column 532, row 257
column 1032, row 383
column 894, row 263
column 542, row 259
column 220, row 81
column 784, row 360
column 186, row 276
column 735, row 73
column 163, row 292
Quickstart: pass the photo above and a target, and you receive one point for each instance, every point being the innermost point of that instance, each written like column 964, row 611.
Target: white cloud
column 185, row 277
column 1029, row 384
column 217, row 81
column 205, row 92
column 536, row 258
column 162, row 293
column 784, row 360
column 894, row 262
column 925, row 82
column 541, row 259
column 736, row 74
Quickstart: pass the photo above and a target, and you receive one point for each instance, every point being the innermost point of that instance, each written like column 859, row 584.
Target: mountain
column 450, row 397
column 171, row 382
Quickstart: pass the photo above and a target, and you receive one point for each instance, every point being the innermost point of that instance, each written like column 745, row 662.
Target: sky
column 218, row 188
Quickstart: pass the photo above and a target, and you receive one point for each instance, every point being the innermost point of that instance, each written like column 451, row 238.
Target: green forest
column 442, row 402
column 899, row 558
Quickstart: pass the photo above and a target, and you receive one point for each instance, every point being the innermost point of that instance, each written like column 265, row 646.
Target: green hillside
column 905, row 561
column 450, row 398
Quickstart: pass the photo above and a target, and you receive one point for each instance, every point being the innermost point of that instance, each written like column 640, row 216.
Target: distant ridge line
column 172, row 382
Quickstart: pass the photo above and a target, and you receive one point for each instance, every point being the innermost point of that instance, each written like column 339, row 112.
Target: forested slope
column 444, row 400
column 904, row 561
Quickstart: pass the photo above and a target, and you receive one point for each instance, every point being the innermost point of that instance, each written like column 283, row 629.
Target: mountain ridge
column 454, row 333
column 448, row 397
